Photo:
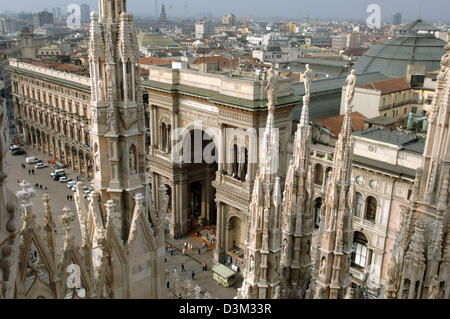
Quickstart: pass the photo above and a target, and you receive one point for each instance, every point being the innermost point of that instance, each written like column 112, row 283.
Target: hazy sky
column 411, row 9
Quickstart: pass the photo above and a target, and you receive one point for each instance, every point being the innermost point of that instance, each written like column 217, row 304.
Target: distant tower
column 27, row 43
column 397, row 18
column 163, row 16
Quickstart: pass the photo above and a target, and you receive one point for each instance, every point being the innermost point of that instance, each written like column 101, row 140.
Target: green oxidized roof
column 215, row 96
column 410, row 47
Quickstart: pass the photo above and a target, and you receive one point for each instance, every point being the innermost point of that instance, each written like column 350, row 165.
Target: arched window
column 371, row 209
column 359, row 254
column 359, row 205
column 318, row 175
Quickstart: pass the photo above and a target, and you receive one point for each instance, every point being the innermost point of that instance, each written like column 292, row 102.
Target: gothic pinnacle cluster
column 263, row 235
column 420, row 258
column 297, row 214
column 332, row 264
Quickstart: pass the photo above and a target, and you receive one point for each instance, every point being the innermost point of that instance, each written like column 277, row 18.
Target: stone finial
column 26, row 194
column 112, row 217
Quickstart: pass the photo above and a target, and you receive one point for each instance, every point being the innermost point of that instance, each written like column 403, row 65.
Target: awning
column 223, row 271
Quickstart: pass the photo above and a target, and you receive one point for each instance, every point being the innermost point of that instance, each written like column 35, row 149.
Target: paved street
column 192, row 262
column 57, row 191
column 58, row 199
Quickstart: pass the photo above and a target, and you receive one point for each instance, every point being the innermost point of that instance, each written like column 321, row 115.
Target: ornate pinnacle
column 49, row 225
column 26, row 194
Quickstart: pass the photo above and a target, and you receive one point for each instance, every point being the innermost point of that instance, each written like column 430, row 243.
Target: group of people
column 187, row 248
column 70, row 198
column 39, row 186
column 31, row 172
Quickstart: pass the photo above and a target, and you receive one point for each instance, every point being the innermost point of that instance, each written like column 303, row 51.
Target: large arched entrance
column 199, row 158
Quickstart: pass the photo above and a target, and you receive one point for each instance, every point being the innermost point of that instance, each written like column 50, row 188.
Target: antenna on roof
column 420, row 9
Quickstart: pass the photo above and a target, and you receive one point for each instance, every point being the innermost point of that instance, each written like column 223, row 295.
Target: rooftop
column 405, row 141
column 382, row 120
column 334, row 124
column 410, row 47
column 387, row 86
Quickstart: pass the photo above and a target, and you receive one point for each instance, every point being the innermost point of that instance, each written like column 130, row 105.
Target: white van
column 32, row 160
column 58, row 172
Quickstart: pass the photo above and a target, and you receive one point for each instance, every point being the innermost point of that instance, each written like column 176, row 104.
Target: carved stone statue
column 350, row 90
column 97, row 159
column 285, row 244
column 132, row 162
column 434, row 289
column 101, row 91
column 108, row 70
column 323, row 266
column 272, row 86
column 307, row 79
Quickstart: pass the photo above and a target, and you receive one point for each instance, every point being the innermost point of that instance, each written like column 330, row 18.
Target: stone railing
column 86, row 81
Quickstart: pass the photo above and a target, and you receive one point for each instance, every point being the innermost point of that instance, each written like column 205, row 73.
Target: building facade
column 52, row 113
column 228, row 114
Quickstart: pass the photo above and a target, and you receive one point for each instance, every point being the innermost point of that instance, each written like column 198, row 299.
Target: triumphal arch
column 204, row 144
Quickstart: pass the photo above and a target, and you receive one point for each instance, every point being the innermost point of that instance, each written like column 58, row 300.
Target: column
column 125, row 83
column 73, row 162
column 174, row 229
column 218, row 252
column 222, row 157
column 168, row 139
column 154, row 189
column 154, row 128
column 86, row 164
column 133, row 80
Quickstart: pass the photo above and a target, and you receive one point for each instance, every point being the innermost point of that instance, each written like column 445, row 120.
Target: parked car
column 56, row 177
column 40, row 165
column 18, row 152
column 32, row 160
column 71, row 184
column 13, row 147
column 58, row 172
column 64, row 179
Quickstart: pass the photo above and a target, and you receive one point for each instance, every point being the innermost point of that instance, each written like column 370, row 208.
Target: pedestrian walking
column 67, row 197
column 46, row 189
column 185, row 244
column 183, row 252
column 40, row 186
column 182, row 267
column 171, row 251
column 206, row 267
column 168, row 285
column 193, row 275
column 199, row 251
column 29, row 172
column 203, row 265
column 32, row 171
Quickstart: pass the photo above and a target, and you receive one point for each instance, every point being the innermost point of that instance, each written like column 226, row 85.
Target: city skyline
column 433, row 10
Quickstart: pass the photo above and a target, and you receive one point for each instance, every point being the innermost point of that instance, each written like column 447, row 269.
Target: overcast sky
column 344, row 9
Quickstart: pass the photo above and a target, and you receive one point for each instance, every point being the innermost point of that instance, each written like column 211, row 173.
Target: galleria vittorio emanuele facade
column 300, row 220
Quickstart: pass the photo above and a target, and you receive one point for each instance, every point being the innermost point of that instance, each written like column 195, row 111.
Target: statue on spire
column 350, row 89
column 272, row 86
